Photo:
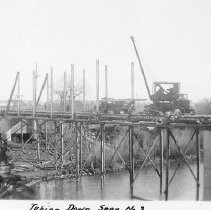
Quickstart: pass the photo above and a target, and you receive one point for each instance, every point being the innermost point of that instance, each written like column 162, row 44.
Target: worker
column 177, row 113
column 131, row 109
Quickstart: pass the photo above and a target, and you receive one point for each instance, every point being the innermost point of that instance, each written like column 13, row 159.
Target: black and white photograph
column 105, row 100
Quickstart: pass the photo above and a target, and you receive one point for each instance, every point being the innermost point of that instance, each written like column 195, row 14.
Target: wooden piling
column 62, row 143
column 81, row 147
column 55, row 147
column 72, row 90
column 97, row 85
column 47, row 92
column 35, row 83
column 197, row 163
column 76, row 153
column 167, row 164
column 46, row 135
column 22, row 142
column 106, row 82
column 51, row 92
column 18, row 94
column 84, row 89
column 207, row 165
column 35, row 90
column 65, row 88
column 161, row 161
column 37, row 139
column 102, row 147
column 34, row 95
column 131, row 159
column 132, row 80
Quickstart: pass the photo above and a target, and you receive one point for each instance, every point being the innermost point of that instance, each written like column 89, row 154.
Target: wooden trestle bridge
column 165, row 125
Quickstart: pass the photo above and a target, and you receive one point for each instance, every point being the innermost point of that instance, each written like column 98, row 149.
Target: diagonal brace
column 183, row 155
column 178, row 164
column 147, row 156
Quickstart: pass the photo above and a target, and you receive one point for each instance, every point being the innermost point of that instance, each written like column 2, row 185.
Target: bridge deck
column 121, row 119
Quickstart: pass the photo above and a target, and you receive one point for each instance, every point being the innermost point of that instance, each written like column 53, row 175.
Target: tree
column 78, row 90
column 204, row 107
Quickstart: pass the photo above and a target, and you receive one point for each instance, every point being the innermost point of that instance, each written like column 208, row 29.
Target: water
column 116, row 186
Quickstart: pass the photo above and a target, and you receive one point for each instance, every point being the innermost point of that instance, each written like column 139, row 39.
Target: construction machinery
column 117, row 106
column 166, row 96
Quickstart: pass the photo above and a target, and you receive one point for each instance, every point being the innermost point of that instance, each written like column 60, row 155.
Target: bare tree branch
column 78, row 90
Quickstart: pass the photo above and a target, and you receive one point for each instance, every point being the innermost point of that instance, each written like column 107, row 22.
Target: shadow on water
column 116, row 186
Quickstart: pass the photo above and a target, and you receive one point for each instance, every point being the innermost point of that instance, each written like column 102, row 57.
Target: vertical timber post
column 161, row 161
column 64, row 99
column 35, row 83
column 167, row 164
column 55, row 147
column 62, row 143
column 34, row 111
column 47, row 91
column 51, row 92
column 131, row 159
column 76, row 154
column 132, row 80
column 81, row 146
column 106, row 82
column 46, row 135
column 35, row 89
column 72, row 90
column 197, row 162
column 97, row 85
column 18, row 94
column 131, row 136
column 102, row 128
column 103, row 149
column 34, row 99
column 38, row 145
column 22, row 143
column 84, row 89
column 37, row 139
column 207, row 164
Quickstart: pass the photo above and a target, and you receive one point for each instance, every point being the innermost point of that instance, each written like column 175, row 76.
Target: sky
column 173, row 38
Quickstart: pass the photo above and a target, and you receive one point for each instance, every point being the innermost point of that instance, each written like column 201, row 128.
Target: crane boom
column 142, row 70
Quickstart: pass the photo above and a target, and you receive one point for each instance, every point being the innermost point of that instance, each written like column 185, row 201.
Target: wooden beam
column 11, row 94
column 43, row 86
